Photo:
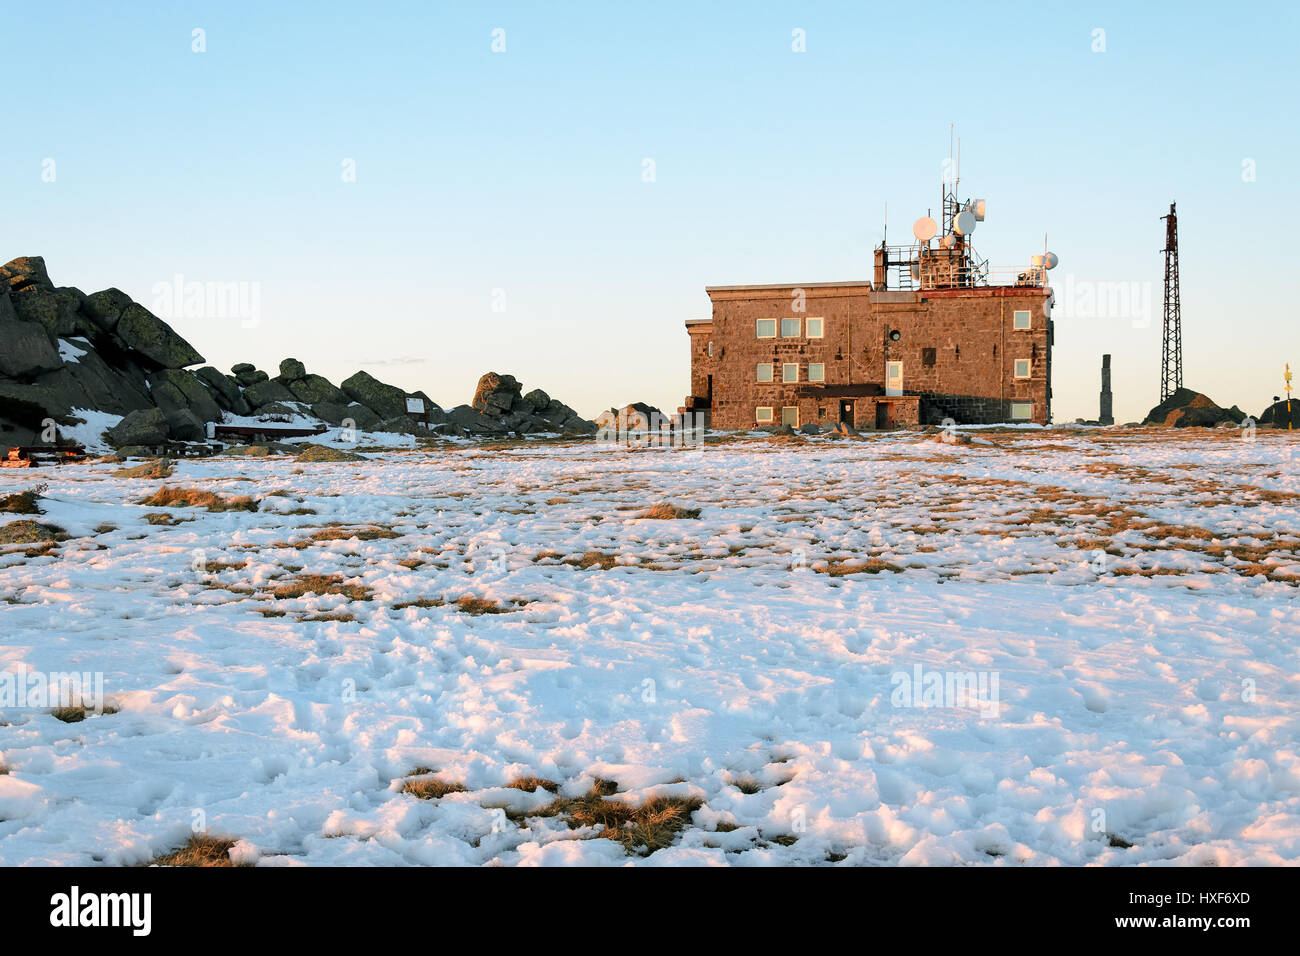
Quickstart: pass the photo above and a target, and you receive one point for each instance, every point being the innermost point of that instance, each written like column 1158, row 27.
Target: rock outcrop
column 500, row 400
column 65, row 351
column 1186, row 408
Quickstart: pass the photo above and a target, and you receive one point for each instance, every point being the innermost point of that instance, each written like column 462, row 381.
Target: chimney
column 1107, row 417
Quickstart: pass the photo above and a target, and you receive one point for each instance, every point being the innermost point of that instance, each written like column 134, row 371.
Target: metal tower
column 1171, row 357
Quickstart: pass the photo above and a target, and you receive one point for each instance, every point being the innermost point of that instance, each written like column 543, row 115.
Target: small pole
column 1287, row 378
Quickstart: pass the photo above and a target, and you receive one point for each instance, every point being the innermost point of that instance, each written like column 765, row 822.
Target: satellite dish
column 976, row 207
column 915, row 269
column 948, row 241
column 1050, row 260
column 925, row 229
column 1036, row 261
column 964, row 223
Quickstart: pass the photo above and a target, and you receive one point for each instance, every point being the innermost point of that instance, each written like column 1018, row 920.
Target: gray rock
column 175, row 389
column 225, row 390
column 27, row 350
column 496, row 394
column 25, row 273
column 58, row 310
column 275, row 410
column 144, row 427
column 92, row 383
column 387, row 401
column 105, row 308
column 812, row 428
column 141, row 330
column 538, row 400
column 334, row 413
column 465, row 420
column 246, row 375
column 291, row 370
column 262, row 393
column 316, row 388
column 184, row 425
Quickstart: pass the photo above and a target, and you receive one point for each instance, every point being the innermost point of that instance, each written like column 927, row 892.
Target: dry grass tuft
column 361, row 534
column 430, row 788
column 595, row 559
column 158, row 468
column 174, row 496
column 29, row 532
column 320, row 584
column 652, row 825
column 533, row 784
column 23, row 502
column 76, row 713
column 839, row 567
column 199, row 851
column 665, row 511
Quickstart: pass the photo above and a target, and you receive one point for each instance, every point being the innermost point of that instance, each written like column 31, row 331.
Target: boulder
column 1185, row 408
column 277, row 410
column 291, row 370
column 141, row 330
column 387, row 401
column 316, row 388
column 24, row 274
column 57, row 309
column 1282, row 414
column 246, row 375
column 26, row 350
column 105, row 308
column 334, row 413
column 537, row 400
column 184, row 425
column 496, row 394
column 263, row 393
column 175, row 389
column 225, row 390
column 91, row 383
column 466, row 420
column 144, row 427
column 634, row 418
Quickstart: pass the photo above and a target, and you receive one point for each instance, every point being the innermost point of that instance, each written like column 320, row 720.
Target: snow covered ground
column 1122, row 605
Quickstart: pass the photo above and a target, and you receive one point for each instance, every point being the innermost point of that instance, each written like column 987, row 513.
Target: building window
column 816, row 372
column 1021, row 319
column 766, row 328
column 789, row 372
column 765, row 371
column 790, row 416
column 1022, row 368
column 1022, row 411
column 790, row 328
column 814, row 328
column 927, row 357
column 763, row 416
column 710, row 350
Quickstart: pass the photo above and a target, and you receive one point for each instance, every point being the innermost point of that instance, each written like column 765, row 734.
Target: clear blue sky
column 522, row 171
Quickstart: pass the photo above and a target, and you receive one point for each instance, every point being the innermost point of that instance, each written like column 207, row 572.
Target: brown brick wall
column 975, row 348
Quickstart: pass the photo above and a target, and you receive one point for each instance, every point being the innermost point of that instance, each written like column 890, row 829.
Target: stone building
column 929, row 339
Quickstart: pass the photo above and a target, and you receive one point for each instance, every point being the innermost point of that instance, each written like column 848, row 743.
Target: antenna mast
column 1171, row 356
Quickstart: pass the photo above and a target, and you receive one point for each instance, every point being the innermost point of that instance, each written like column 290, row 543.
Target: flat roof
column 787, row 285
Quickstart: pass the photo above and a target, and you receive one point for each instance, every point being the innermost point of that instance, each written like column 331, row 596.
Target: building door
column 884, row 414
column 893, row 378
column 846, row 413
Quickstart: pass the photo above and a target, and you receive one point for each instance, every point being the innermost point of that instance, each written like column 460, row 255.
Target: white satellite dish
column 948, row 241
column 1050, row 260
column 963, row 223
column 915, row 269
column 977, row 207
column 1036, row 261
column 925, row 229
